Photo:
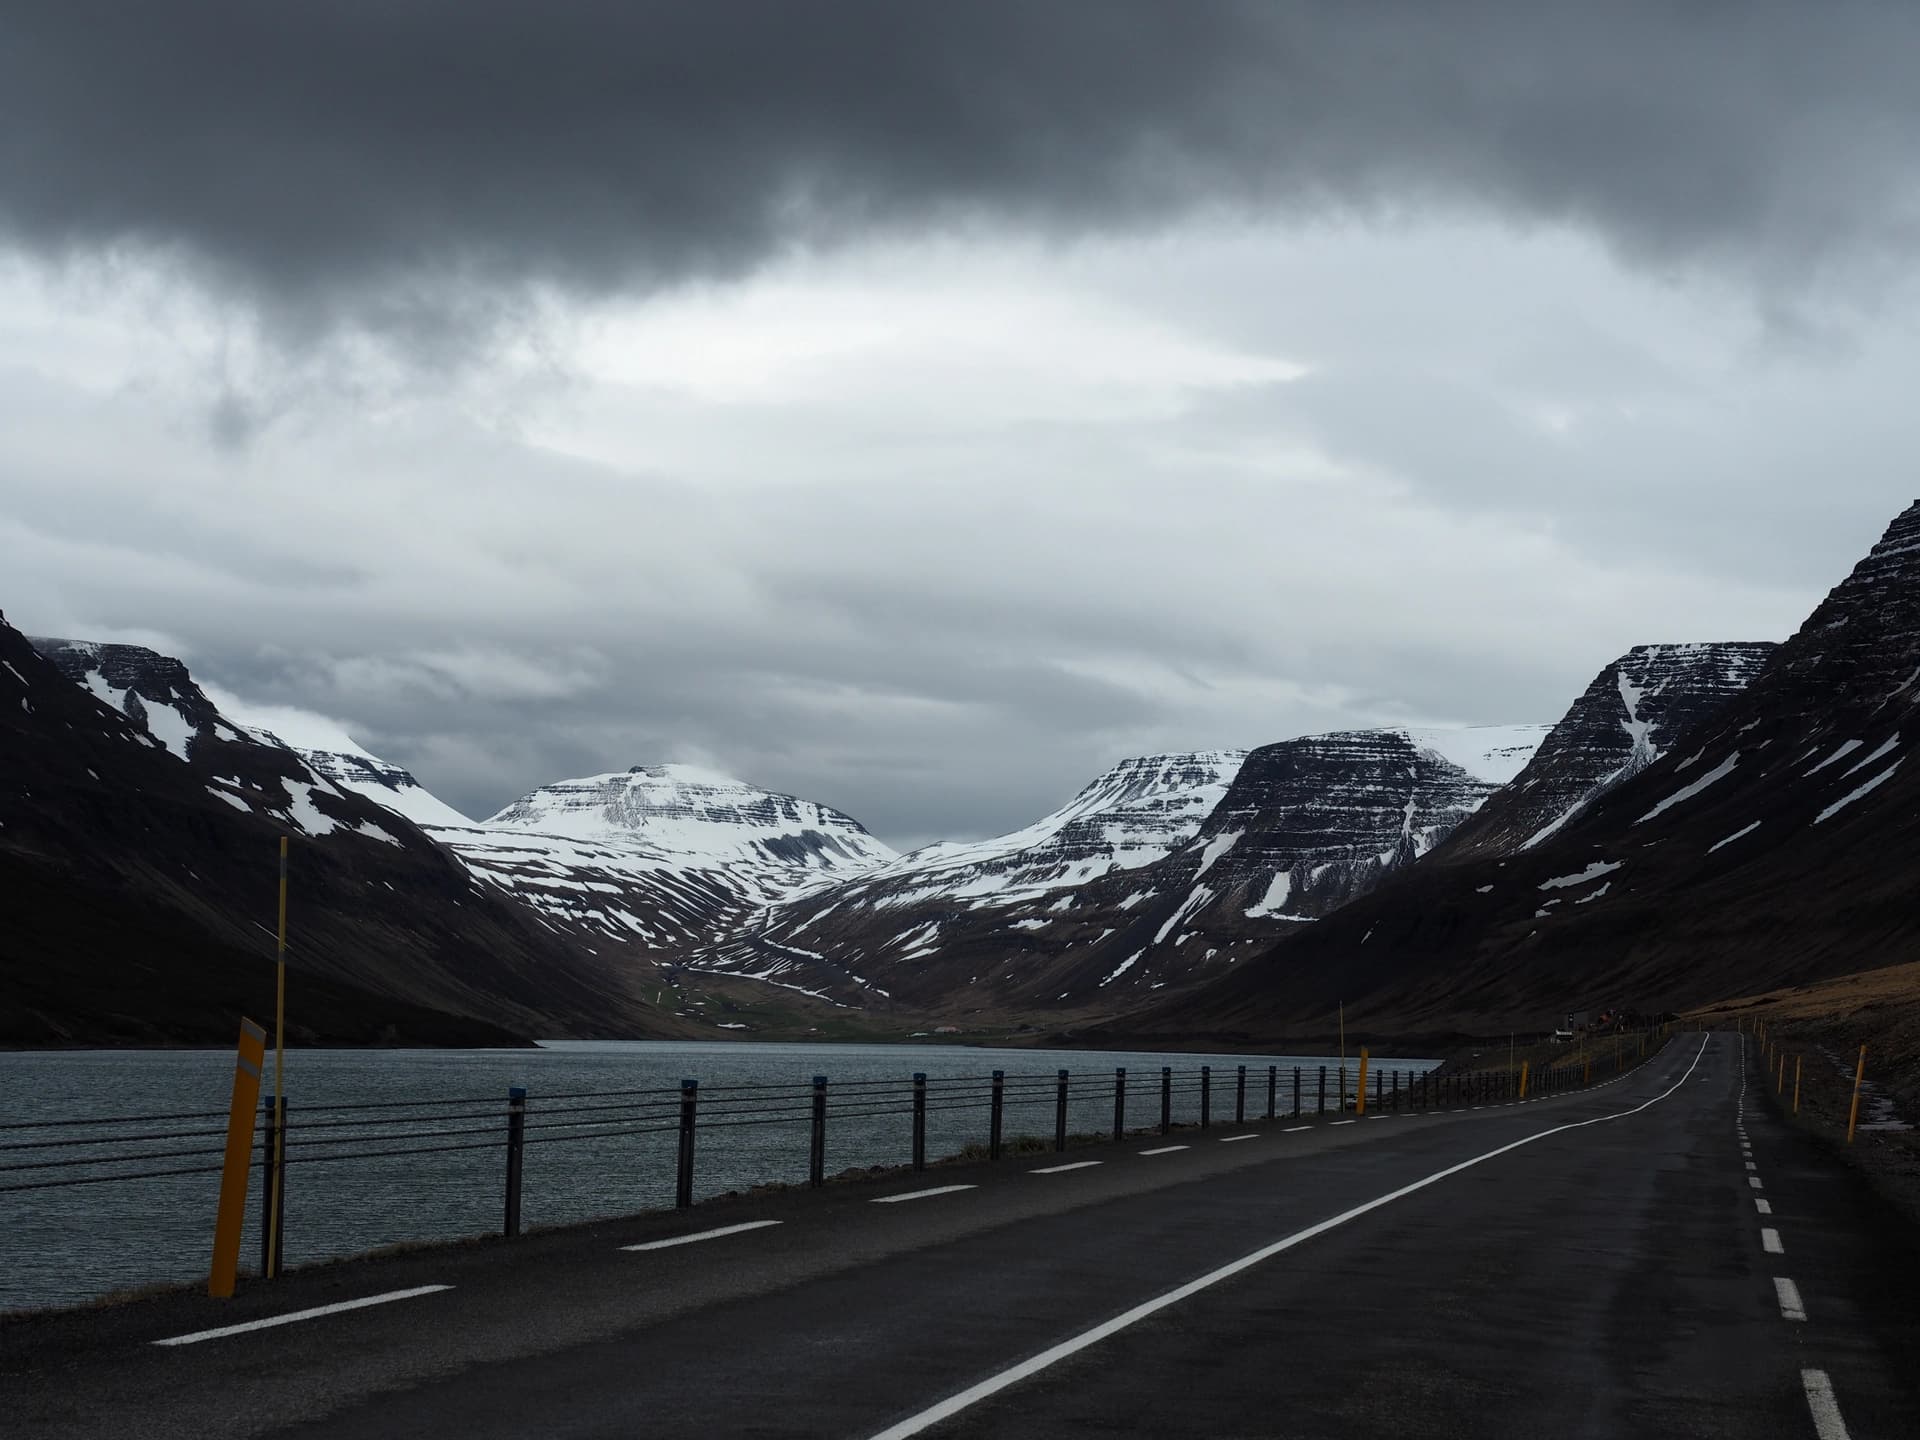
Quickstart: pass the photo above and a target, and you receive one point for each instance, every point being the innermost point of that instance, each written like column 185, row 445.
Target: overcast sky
column 918, row 407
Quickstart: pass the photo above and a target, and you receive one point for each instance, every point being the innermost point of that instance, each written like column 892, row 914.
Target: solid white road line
column 197, row 1336
column 699, row 1235
column 1765, row 1207
column 1062, row 1169
column 1229, row 1139
column 1788, row 1294
column 1164, row 1150
column 1754, row 1181
column 1770, row 1241
column 994, row 1384
column 1827, row 1423
column 1295, row 1129
column 922, row 1194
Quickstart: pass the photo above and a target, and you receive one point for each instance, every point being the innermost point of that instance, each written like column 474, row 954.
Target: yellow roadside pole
column 1360, row 1101
column 1524, row 1065
column 231, row 1218
column 1859, row 1073
column 1796, row 1084
column 1780, row 1080
column 279, row 1075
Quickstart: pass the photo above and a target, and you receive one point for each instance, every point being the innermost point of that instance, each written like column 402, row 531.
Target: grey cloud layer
column 398, row 161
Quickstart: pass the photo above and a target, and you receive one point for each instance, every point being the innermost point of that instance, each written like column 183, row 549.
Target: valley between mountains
column 1705, row 819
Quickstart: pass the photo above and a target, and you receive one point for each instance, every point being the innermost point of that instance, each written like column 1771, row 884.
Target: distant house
column 946, row 1029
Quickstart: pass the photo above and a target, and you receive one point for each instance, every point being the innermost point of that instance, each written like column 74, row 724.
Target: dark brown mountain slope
column 1777, row 842
column 137, row 888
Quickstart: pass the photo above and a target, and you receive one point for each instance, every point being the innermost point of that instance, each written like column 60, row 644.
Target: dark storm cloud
column 408, row 162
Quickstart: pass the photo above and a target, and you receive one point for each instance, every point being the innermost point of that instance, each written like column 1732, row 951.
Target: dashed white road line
column 1295, row 1129
column 1165, row 1150
column 1754, row 1181
column 1229, row 1139
column 1764, row 1206
column 1752, row 1166
column 954, row 1404
column 1827, row 1423
column 1062, row 1169
column 1788, row 1294
column 700, row 1235
column 1770, row 1241
column 921, row 1194
column 288, row 1319
column 1343, row 1122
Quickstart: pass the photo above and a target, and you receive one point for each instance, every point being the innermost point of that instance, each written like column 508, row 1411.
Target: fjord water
column 69, row 1245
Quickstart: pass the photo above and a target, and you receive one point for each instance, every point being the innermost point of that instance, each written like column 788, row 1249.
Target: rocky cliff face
column 1159, row 873
column 1633, row 713
column 1773, row 845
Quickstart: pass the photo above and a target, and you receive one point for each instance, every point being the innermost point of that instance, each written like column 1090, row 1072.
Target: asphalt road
column 1594, row 1265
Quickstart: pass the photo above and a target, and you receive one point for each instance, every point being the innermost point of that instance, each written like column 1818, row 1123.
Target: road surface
column 1656, row 1256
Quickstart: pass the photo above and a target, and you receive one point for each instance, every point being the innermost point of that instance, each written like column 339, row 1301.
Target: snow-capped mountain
column 1154, row 874
column 1632, row 714
column 146, row 825
column 1772, row 845
column 695, row 814
column 663, row 858
column 923, row 906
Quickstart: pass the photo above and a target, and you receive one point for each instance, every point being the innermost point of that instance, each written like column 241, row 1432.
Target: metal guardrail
column 48, row 1154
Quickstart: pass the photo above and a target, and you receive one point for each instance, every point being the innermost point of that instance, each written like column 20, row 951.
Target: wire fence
column 455, row 1158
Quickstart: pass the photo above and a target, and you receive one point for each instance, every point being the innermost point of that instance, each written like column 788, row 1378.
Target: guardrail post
column 1166, row 1099
column 1119, row 1102
column 1323, row 1091
column 919, row 1120
column 273, row 1195
column 817, row 1150
column 1296, row 1092
column 1853, row 1111
column 1273, row 1090
column 1060, row 1111
column 1343, row 1090
column 683, row 1176
column 993, row 1123
column 1206, row 1097
column 1240, row 1097
column 516, row 1140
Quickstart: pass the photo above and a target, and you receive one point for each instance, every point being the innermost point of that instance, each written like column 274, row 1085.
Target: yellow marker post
column 279, row 1076
column 1859, row 1073
column 1343, row 1032
column 231, row 1218
column 1780, row 1080
column 1360, row 1102
column 1796, row 1084
column 1524, row 1064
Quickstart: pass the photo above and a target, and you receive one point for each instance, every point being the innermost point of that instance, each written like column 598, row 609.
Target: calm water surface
column 63, row 1246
